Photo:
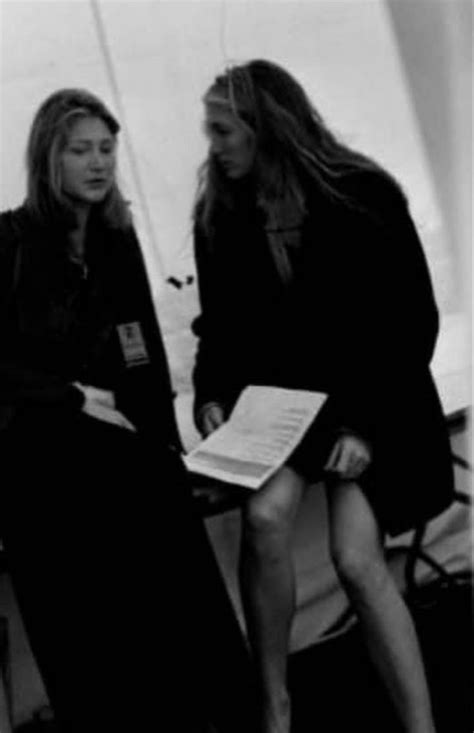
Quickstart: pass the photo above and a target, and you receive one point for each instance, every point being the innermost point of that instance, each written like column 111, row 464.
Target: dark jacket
column 59, row 327
column 359, row 322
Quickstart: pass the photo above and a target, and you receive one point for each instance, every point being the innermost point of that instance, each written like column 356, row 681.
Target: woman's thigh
column 356, row 540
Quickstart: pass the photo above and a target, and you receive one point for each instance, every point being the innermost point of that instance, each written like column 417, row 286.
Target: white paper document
column 264, row 428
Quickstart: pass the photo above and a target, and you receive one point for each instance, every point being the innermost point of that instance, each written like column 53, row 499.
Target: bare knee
column 265, row 517
column 272, row 510
column 355, row 540
column 359, row 565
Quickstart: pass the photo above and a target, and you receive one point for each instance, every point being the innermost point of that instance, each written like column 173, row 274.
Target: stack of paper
column 265, row 427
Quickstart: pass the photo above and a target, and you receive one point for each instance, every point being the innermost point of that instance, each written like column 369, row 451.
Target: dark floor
column 334, row 683
column 334, row 689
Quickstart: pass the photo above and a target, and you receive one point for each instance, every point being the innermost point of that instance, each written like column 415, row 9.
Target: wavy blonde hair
column 293, row 144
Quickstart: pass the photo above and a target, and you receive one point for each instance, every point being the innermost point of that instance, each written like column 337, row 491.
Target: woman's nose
column 97, row 159
column 216, row 146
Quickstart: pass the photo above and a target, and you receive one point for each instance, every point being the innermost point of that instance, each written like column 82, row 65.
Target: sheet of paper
column 266, row 425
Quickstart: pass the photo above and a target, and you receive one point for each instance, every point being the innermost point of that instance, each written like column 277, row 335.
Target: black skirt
column 410, row 479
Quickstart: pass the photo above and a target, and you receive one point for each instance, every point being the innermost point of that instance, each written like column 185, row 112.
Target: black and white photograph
column 236, row 366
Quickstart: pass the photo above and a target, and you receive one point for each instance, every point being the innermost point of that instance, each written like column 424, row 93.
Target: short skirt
column 410, row 479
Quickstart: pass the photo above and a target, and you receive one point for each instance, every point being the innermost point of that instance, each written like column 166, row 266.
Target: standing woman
column 312, row 276
column 92, row 475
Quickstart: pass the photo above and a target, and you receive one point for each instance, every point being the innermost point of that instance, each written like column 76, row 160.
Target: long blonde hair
column 48, row 136
column 293, row 145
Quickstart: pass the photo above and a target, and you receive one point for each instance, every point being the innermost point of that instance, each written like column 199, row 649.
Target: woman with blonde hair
column 312, row 276
column 112, row 601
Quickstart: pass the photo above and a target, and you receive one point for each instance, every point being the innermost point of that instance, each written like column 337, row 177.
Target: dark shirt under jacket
column 359, row 322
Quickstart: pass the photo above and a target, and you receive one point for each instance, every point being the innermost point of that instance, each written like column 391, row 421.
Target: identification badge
column 133, row 344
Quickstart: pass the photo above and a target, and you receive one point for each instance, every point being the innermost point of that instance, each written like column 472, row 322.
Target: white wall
column 163, row 56
column 152, row 61
column 392, row 77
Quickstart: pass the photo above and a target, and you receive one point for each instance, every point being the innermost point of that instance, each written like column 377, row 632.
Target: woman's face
column 87, row 162
column 230, row 142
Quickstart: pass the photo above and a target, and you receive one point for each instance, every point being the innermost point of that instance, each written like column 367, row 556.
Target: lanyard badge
column 133, row 344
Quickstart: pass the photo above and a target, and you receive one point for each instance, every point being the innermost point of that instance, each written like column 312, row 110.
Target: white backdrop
column 152, row 61
column 393, row 77
column 390, row 76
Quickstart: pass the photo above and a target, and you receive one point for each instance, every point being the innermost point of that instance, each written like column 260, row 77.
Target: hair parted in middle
column 292, row 143
column 48, row 136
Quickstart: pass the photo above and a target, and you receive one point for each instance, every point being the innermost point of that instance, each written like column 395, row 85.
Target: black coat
column 59, row 327
column 359, row 322
column 79, row 497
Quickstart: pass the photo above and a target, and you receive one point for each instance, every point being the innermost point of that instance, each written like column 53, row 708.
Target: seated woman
column 312, row 276
column 110, row 566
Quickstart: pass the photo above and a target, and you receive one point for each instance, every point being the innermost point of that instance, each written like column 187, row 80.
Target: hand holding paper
column 266, row 425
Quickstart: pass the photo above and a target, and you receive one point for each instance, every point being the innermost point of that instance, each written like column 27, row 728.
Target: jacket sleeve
column 214, row 378
column 377, row 321
column 389, row 323
column 19, row 384
column 145, row 394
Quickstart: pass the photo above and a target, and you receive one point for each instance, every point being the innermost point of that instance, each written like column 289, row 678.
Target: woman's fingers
column 213, row 418
column 96, row 394
column 333, row 460
column 107, row 414
column 124, row 422
column 349, row 457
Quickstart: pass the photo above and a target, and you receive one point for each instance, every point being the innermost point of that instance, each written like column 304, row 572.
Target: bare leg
column 268, row 589
column 389, row 631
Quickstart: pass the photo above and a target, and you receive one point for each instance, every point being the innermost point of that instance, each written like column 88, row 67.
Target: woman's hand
column 210, row 417
column 100, row 404
column 95, row 395
column 349, row 458
column 107, row 414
